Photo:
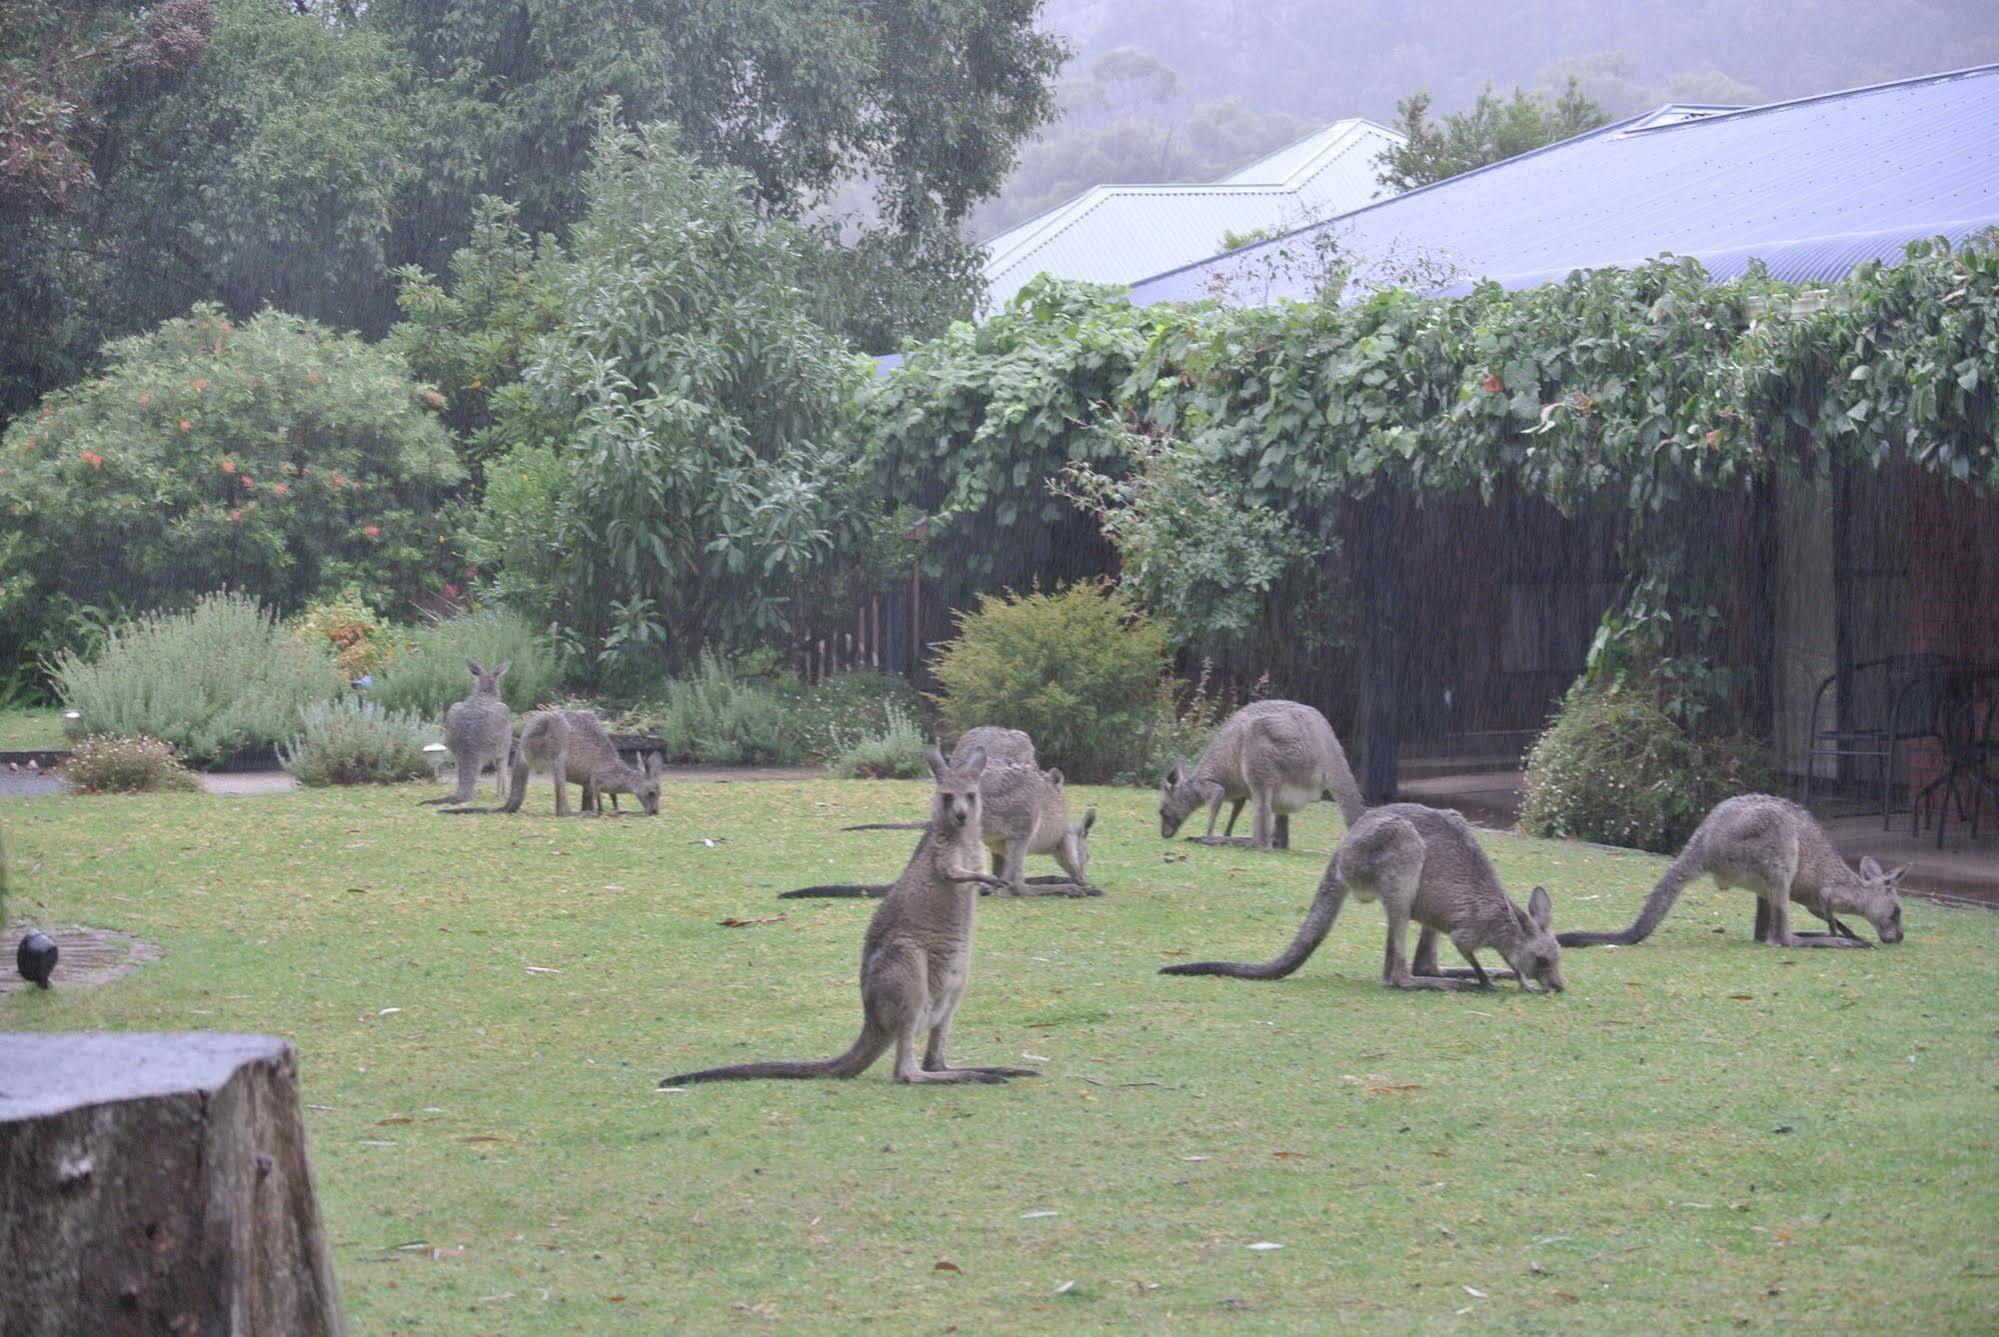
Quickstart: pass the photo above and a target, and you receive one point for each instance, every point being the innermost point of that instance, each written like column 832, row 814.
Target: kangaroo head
column 486, row 682
column 1536, row 956
column 1870, row 892
column 954, row 804
column 646, row 791
column 1181, row 795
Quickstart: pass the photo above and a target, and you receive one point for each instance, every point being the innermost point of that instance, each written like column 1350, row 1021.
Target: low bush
column 220, row 678
column 1612, row 768
column 349, row 742
column 430, row 674
column 1078, row 669
column 838, row 712
column 126, row 764
column 893, row 753
column 724, row 719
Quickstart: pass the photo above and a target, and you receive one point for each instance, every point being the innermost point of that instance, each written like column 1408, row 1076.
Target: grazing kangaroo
column 1281, row 754
column 1026, row 813
column 1776, row 849
column 576, row 753
column 1422, row 864
column 917, row 953
column 478, row 730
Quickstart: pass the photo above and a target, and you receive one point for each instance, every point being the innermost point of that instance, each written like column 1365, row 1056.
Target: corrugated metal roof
column 1116, row 234
column 1812, row 187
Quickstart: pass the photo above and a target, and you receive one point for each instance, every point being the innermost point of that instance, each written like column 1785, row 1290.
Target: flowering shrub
column 361, row 640
column 1614, row 769
column 275, row 457
column 126, row 764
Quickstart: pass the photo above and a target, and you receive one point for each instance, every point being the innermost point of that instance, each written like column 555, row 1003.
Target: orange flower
column 229, row 466
column 436, row 400
column 280, row 489
column 338, row 481
column 372, row 531
column 227, row 328
column 235, row 517
column 200, row 384
column 1492, row 384
column 312, row 376
column 93, row 459
column 186, row 426
column 145, row 400
column 248, row 482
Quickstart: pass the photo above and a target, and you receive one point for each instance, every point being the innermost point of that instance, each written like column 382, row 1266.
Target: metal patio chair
column 1888, row 702
column 1968, row 718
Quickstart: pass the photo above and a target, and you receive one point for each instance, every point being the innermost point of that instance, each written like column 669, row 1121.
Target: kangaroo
column 1280, row 754
column 1007, row 745
column 576, row 753
column 1422, row 864
column 1025, row 813
column 1000, row 745
column 1776, row 849
column 917, row 953
column 478, row 730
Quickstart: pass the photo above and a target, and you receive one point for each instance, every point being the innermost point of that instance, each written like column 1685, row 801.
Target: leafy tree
column 678, row 475
column 273, row 457
column 1491, row 131
column 926, row 102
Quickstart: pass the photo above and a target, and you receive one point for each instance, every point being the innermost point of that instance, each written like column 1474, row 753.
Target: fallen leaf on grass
column 1293, row 1155
column 946, row 1265
column 1392, row 1088
column 1572, row 1299
column 480, row 1137
column 1742, row 997
column 1263, row 1246
column 543, row 970
column 1065, row 1288
column 749, row 923
column 1169, row 953
column 395, row 1118
column 1035, row 1216
column 1475, row 1293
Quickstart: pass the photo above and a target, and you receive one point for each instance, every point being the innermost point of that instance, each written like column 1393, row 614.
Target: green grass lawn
column 1701, row 1133
column 25, row 729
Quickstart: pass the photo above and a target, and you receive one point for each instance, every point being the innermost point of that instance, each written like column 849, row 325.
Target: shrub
column 218, row 679
column 834, row 715
column 895, row 752
column 1078, row 669
column 430, row 674
column 718, row 717
column 360, row 639
column 1612, row 768
column 277, row 457
column 349, row 742
column 126, row 764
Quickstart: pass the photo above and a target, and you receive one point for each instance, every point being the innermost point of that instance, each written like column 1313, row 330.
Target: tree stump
column 157, row 1184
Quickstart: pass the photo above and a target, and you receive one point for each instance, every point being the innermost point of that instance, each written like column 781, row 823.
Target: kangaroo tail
column 836, row 889
column 850, row 1064
column 1325, row 909
column 1661, row 900
column 888, row 826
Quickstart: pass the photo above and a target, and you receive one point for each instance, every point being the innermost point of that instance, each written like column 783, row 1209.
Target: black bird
column 37, row 958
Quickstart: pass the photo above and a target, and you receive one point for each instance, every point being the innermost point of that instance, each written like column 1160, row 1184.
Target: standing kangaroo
column 576, row 752
column 1422, row 864
column 1774, row 848
column 1026, row 813
column 478, row 730
column 1281, row 754
column 917, row 953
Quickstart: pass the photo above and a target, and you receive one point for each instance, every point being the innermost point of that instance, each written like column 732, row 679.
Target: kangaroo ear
column 501, row 671
column 1089, row 820
column 936, row 760
column 1055, row 775
column 653, row 764
column 473, row 664
column 975, row 761
column 1177, row 774
column 1869, row 868
column 1894, row 875
column 1541, row 908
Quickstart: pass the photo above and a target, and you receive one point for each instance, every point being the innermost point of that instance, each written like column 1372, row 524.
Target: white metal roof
column 1122, row 233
